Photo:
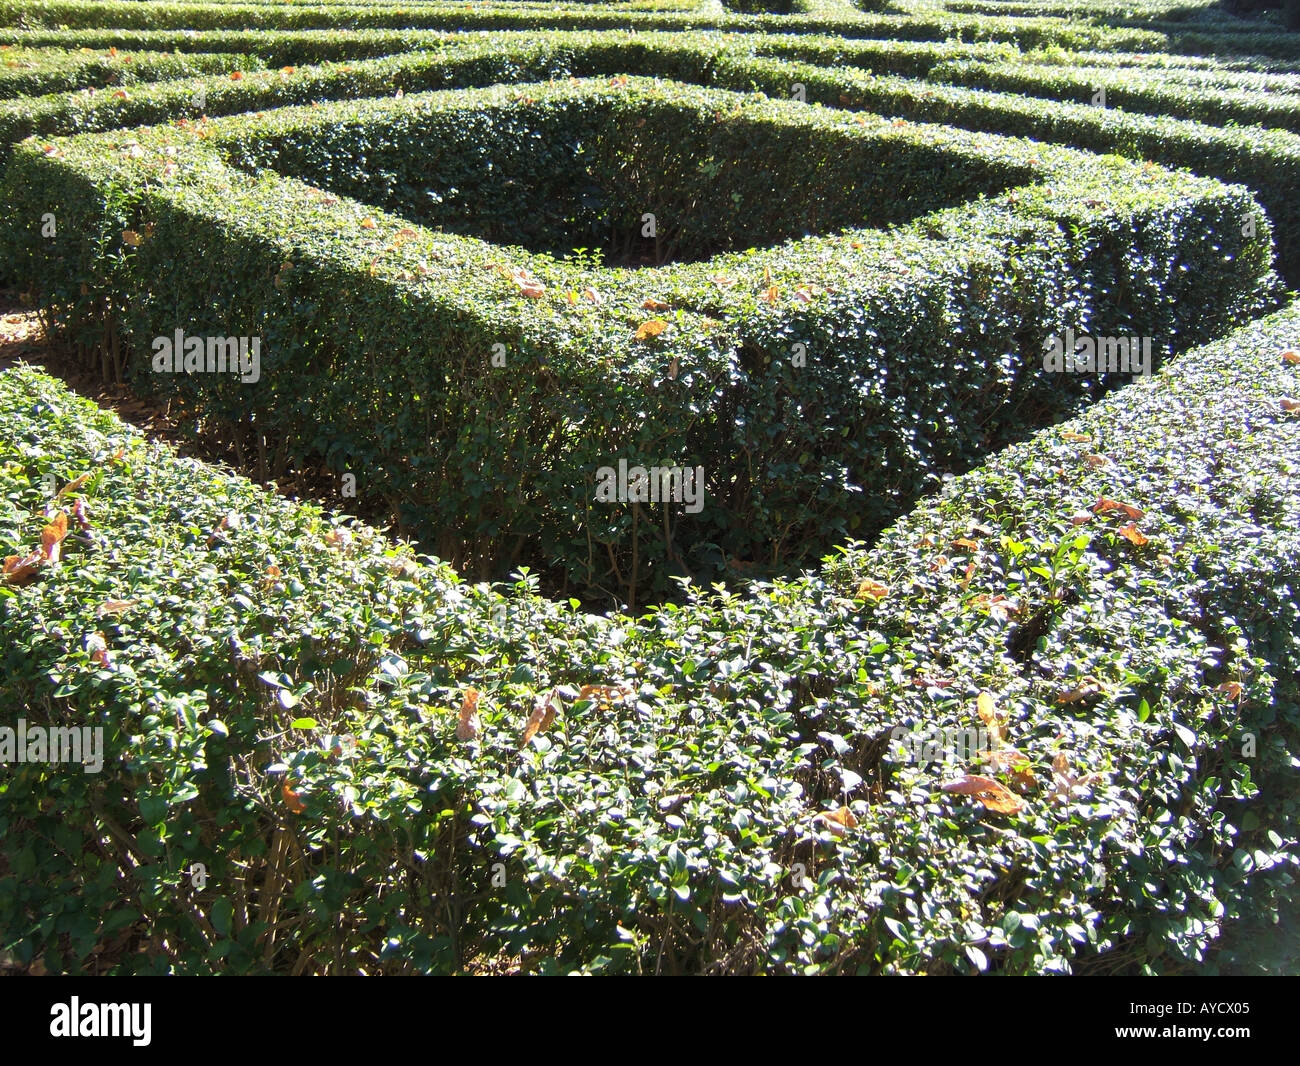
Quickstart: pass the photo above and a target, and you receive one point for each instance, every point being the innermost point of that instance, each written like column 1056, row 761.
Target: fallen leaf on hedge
column 770, row 294
column 965, row 542
column 402, row 566
column 1080, row 517
column 999, row 607
column 1081, row 692
column 604, row 693
column 1291, row 356
column 369, row 223
column 650, row 304
column 469, row 724
column 97, row 645
column 292, row 799
column 873, row 589
column 115, row 606
column 838, row 822
column 548, row 716
column 1095, row 461
column 593, row 295
column 619, row 80
column 1013, row 762
column 540, row 720
column 804, row 293
column 1133, row 535
column 986, row 708
column 400, row 238
column 52, row 536
column 73, row 485
column 1232, row 688
column 1075, row 438
column 993, row 794
column 965, row 578
column 236, row 75
column 528, row 286
column 651, row 329
column 1064, row 783
column 1289, row 404
column 286, row 70
column 129, row 236
column 22, row 569
column 672, row 369
column 1103, row 505
column 722, row 281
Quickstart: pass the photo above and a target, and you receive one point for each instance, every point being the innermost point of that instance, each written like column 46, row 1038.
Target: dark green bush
column 921, row 344
column 656, row 827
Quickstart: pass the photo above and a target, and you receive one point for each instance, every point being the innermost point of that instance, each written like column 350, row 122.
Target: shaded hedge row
column 279, row 695
column 822, row 384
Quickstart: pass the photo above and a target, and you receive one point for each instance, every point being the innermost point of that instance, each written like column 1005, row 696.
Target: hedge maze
column 763, row 397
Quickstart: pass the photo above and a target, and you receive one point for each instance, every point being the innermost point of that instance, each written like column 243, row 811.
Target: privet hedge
column 34, row 71
column 821, row 384
column 1264, row 160
column 932, row 26
column 279, row 694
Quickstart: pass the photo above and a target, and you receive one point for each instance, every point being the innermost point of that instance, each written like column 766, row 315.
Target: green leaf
column 221, row 914
column 153, row 809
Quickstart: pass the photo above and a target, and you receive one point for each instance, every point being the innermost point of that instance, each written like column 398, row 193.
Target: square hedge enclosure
column 825, row 313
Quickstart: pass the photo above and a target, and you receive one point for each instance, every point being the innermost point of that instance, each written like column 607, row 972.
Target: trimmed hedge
column 33, row 71
column 1266, row 161
column 128, row 15
column 500, row 460
column 249, row 659
column 1175, row 94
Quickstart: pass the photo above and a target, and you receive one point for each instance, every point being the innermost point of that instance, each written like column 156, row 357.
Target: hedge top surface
column 190, row 167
